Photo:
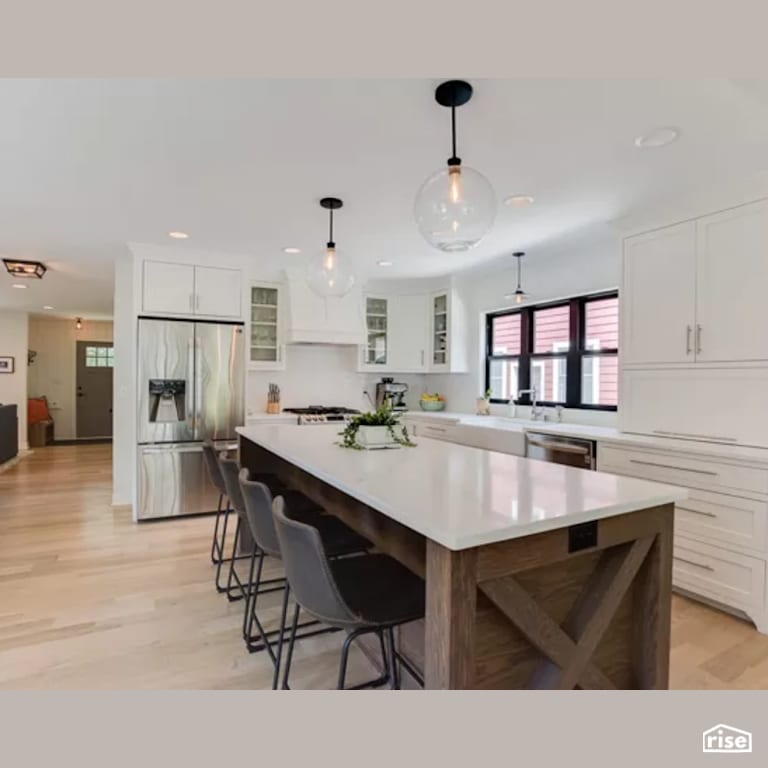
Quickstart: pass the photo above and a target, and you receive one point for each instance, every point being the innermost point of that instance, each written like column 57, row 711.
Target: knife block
column 273, row 407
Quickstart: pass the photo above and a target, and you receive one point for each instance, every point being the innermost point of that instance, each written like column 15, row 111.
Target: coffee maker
column 392, row 392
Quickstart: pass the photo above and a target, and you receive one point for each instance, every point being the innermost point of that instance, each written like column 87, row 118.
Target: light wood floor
column 88, row 599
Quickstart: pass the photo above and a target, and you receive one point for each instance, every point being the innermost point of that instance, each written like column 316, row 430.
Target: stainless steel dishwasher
column 573, row 451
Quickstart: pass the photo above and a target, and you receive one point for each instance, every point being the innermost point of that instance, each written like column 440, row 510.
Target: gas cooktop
column 321, row 414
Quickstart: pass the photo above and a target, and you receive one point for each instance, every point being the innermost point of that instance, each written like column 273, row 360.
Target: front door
column 95, row 361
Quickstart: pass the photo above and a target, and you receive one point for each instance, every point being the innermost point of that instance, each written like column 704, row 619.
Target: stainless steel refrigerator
column 191, row 385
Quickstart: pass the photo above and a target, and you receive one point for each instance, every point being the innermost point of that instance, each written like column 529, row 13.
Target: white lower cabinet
column 725, row 405
column 721, row 529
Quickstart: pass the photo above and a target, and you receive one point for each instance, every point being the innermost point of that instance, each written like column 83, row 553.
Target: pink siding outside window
column 551, row 329
column 602, row 324
column 506, row 335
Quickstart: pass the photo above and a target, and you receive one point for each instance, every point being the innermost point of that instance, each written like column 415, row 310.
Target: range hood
column 316, row 320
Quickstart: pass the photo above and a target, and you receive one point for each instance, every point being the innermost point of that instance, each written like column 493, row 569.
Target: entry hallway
column 88, row 599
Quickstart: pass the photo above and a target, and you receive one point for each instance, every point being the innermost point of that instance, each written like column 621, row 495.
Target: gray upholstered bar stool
column 338, row 539
column 369, row 593
column 229, row 468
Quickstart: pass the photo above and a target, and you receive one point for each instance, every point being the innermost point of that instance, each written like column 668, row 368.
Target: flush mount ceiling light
column 659, row 137
column 519, row 201
column 328, row 273
column 48, row 306
column 19, row 268
column 519, row 295
column 384, row 263
column 178, row 235
column 19, row 285
column 291, row 250
column 455, row 207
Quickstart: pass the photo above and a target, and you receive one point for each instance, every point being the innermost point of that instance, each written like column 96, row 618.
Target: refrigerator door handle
column 192, row 401
column 198, row 369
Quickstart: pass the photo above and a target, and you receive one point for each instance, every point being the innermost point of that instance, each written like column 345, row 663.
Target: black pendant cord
column 453, row 160
column 518, row 273
column 331, row 244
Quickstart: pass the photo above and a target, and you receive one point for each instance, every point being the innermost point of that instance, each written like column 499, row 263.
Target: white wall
column 124, row 386
column 54, row 371
column 580, row 267
column 321, row 375
column 13, row 386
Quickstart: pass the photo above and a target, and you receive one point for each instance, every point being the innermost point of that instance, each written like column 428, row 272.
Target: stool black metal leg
column 394, row 675
column 216, row 549
column 232, row 572
column 253, row 588
column 281, row 633
column 219, row 587
column 289, row 657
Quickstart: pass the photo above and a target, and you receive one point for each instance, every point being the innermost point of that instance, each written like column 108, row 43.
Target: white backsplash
column 322, row 375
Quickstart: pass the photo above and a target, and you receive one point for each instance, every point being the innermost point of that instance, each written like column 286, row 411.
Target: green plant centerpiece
column 389, row 426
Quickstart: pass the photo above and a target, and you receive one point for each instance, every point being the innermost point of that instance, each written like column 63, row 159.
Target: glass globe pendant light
column 328, row 273
column 455, row 207
column 519, row 295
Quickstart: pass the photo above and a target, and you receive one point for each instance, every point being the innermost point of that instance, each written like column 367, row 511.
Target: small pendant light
column 455, row 207
column 329, row 273
column 519, row 295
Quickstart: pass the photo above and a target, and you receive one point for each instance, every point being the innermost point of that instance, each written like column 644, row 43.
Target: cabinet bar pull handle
column 696, row 511
column 671, row 466
column 695, row 436
column 698, row 339
column 688, row 331
column 693, row 562
column 191, row 301
column 422, row 357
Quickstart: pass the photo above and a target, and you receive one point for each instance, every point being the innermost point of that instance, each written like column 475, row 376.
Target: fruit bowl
column 432, row 405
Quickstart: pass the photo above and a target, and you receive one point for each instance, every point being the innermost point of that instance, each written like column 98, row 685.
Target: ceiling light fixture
column 19, row 268
column 291, row 250
column 79, row 323
column 519, row 295
column 328, row 274
column 48, row 306
column 178, row 235
column 19, row 285
column 455, row 207
column 659, row 137
column 519, row 201
column 384, row 263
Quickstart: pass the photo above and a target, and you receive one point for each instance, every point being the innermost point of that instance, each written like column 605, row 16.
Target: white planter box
column 375, row 437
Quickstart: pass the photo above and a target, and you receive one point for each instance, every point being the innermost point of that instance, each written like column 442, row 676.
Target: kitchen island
column 537, row 575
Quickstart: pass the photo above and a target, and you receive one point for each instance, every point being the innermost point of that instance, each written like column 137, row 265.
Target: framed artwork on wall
column 6, row 364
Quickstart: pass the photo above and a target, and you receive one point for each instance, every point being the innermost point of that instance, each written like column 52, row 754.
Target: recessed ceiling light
column 658, row 137
column 291, row 250
column 178, row 235
column 19, row 285
column 384, row 263
column 519, row 201
column 48, row 306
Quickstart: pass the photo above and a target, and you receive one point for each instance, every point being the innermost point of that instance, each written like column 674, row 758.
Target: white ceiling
column 88, row 165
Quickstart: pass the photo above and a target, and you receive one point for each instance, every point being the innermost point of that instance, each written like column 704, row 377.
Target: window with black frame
column 567, row 351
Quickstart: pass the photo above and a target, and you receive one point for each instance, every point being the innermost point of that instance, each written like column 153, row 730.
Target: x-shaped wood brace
column 569, row 648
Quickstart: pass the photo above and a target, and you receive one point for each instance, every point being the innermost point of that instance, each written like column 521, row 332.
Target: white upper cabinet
column 731, row 285
column 447, row 333
column 695, row 292
column 187, row 289
column 217, row 292
column 375, row 351
column 658, row 296
column 168, row 288
column 408, row 334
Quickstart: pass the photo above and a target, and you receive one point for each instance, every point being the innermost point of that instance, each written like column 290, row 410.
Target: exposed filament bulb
column 454, row 176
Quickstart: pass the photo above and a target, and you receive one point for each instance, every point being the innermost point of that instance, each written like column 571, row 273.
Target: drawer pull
column 671, row 466
column 695, row 436
column 697, row 511
column 694, row 563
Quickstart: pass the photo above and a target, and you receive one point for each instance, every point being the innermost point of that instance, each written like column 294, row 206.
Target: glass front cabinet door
column 266, row 342
column 440, row 341
column 376, row 334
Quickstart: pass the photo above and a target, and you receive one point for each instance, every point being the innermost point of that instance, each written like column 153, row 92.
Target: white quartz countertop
column 456, row 495
column 599, row 434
